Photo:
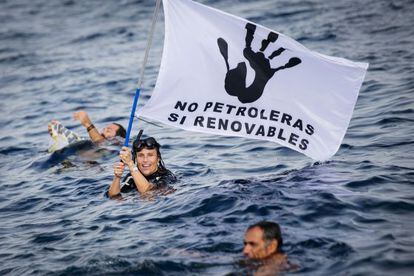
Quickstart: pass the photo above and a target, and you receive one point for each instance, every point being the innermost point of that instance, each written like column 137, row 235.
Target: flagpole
column 144, row 63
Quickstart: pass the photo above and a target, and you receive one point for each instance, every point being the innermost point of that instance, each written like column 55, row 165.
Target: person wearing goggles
column 146, row 168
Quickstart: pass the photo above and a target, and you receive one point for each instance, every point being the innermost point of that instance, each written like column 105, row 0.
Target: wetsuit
column 160, row 179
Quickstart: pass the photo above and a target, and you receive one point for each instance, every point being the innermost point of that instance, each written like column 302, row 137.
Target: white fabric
column 306, row 107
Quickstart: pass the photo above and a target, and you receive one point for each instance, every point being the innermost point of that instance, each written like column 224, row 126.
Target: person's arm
column 142, row 184
column 115, row 187
column 93, row 132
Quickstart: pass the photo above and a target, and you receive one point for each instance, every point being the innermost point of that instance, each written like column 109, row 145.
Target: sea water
column 351, row 215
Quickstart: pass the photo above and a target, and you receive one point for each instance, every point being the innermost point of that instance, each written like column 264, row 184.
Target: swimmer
column 63, row 137
column 262, row 243
column 108, row 132
column 146, row 169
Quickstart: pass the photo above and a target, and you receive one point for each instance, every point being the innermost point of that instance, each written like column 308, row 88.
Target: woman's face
column 147, row 160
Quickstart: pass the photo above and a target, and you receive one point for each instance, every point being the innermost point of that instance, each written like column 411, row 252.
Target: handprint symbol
column 235, row 80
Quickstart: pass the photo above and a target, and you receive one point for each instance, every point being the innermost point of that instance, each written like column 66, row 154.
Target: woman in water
column 146, row 169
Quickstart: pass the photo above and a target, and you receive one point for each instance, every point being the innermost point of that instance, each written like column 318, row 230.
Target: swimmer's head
column 113, row 130
column 146, row 153
column 262, row 240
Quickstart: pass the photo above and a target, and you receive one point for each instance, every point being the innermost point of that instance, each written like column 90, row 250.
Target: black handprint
column 235, row 81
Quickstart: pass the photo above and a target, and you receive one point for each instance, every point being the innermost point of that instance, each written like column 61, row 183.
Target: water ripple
column 351, row 215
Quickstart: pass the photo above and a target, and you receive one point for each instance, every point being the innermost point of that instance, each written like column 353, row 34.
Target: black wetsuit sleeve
column 163, row 180
column 159, row 180
column 128, row 184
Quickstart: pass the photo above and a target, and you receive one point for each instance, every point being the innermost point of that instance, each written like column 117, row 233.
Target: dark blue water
column 352, row 215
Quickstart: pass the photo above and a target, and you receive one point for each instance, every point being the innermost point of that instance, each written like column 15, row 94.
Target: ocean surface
column 351, row 215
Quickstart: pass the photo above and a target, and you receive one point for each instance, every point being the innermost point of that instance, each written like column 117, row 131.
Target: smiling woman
column 147, row 169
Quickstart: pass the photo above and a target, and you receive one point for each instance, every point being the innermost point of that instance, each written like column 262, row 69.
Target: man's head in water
column 112, row 130
column 147, row 156
column 262, row 240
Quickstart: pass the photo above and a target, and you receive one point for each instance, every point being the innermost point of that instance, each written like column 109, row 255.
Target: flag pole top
column 141, row 77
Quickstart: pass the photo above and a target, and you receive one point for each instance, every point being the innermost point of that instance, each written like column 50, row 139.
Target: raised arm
column 142, row 184
column 84, row 119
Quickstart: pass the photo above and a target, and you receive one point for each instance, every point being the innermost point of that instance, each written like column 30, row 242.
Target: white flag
column 224, row 75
